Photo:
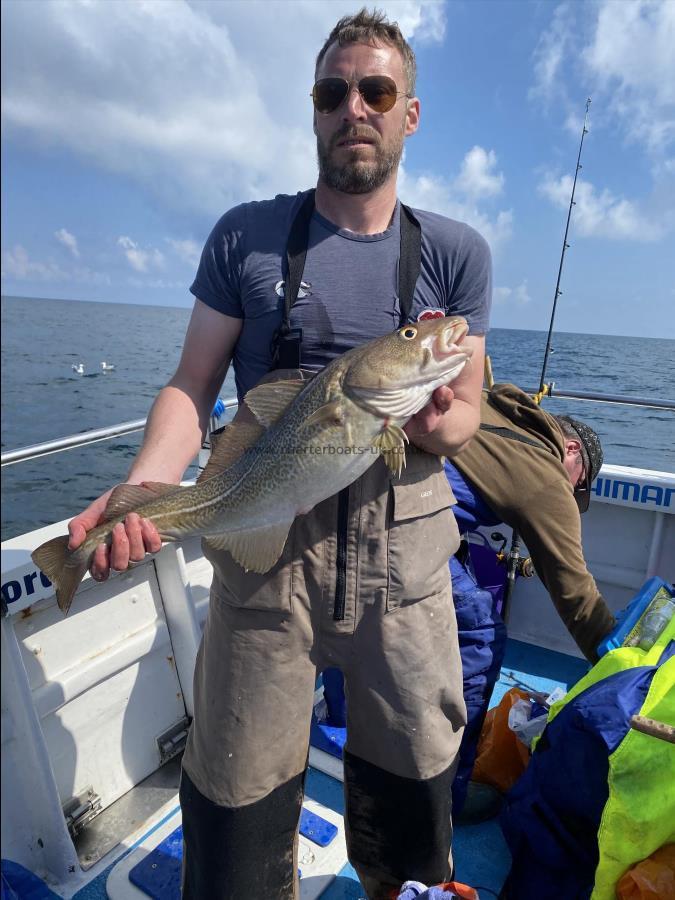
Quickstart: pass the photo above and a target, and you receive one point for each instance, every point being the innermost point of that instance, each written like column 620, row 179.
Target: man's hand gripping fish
column 310, row 439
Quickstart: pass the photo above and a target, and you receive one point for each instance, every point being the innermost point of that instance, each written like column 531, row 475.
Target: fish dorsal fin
column 391, row 443
column 125, row 498
column 269, row 401
column 228, row 445
column 159, row 488
column 256, row 550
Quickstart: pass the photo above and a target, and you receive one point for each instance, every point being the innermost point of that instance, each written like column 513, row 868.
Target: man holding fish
column 320, row 558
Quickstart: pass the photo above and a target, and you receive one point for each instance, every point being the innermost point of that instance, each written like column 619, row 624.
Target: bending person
column 533, row 471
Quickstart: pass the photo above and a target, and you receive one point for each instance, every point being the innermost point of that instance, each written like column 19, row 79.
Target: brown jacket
column 530, row 490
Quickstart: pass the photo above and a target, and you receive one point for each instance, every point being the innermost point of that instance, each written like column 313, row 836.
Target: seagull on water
column 79, row 368
column 107, row 367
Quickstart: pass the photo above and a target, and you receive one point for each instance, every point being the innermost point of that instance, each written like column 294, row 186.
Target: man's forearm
column 455, row 429
column 173, row 436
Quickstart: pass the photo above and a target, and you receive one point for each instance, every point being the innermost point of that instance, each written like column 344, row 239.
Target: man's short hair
column 370, row 28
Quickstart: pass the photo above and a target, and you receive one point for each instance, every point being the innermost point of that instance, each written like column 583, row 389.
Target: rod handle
column 653, row 728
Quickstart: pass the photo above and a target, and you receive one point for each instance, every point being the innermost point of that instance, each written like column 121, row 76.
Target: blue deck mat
column 327, row 738
column 481, row 856
column 158, row 874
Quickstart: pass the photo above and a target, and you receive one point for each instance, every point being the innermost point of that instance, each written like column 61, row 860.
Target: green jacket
column 529, row 489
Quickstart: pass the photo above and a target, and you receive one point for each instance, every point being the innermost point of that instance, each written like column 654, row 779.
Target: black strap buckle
column 286, row 352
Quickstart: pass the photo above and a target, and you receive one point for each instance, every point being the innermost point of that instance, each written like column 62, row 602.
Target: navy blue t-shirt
column 349, row 290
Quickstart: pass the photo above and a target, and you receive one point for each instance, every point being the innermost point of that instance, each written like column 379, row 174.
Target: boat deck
column 480, row 852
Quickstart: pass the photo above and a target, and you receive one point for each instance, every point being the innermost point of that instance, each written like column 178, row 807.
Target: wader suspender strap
column 410, row 262
column 286, row 347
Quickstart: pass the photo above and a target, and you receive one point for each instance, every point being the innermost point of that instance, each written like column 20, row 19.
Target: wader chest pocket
column 270, row 592
column 422, row 533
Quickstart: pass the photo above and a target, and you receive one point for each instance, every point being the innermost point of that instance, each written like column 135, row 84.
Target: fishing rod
column 565, row 246
column 515, row 565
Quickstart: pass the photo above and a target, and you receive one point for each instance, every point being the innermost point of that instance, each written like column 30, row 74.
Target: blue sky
column 130, row 127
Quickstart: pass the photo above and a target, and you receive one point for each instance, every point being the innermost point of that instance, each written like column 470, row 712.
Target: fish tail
column 52, row 559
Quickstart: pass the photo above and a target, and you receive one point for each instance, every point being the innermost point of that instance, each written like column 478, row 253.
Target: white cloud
column 139, row 259
column 477, row 178
column 506, row 296
column 212, row 110
column 622, row 54
column 156, row 283
column 457, row 196
column 188, row 251
column 422, row 22
column 549, row 54
column 18, row 264
column 632, row 59
column 600, row 214
column 68, row 240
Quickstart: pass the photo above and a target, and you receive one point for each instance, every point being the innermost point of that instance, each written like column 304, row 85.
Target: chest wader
column 362, row 585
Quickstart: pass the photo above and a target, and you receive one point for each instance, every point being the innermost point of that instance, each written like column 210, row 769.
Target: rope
column 541, row 394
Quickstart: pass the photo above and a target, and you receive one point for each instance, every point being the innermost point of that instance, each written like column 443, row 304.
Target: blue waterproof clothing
column 480, row 628
column 555, row 809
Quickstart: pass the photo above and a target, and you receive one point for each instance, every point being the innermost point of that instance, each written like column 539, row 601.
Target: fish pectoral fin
column 269, row 401
column 126, row 498
column 391, row 443
column 228, row 445
column 330, row 414
column 256, row 550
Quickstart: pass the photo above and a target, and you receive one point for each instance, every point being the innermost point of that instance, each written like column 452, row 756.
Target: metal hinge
column 173, row 741
column 81, row 810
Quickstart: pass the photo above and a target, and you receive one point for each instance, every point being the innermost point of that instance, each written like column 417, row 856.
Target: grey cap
column 591, row 453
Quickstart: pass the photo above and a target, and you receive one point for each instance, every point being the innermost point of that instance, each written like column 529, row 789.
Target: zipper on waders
column 341, row 556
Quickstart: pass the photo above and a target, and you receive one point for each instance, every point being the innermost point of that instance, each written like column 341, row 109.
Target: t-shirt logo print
column 304, row 290
column 431, row 314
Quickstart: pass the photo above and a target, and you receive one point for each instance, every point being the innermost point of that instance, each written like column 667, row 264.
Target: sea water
column 43, row 398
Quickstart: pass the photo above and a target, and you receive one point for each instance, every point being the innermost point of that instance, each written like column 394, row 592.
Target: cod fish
column 306, row 440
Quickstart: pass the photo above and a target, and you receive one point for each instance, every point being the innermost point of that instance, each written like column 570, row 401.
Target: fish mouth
column 447, row 342
column 443, row 346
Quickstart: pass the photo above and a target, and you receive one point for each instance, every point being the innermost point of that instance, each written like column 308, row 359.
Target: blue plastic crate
column 628, row 619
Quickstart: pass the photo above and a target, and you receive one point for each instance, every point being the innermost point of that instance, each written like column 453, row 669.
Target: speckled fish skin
column 328, row 436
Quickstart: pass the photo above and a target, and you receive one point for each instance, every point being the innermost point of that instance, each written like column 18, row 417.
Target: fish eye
column 409, row 333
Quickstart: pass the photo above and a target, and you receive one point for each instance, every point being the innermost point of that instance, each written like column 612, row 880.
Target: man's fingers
column 90, row 518
column 100, row 566
column 119, row 552
column 151, row 539
column 77, row 533
column 442, row 397
column 134, row 533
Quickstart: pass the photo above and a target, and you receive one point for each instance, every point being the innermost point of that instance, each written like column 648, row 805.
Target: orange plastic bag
column 651, row 879
column 501, row 758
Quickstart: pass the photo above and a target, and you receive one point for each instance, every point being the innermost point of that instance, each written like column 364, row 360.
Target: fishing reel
column 512, row 560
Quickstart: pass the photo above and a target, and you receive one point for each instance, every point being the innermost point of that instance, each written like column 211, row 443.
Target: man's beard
column 358, row 176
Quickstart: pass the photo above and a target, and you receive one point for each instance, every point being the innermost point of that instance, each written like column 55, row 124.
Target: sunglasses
column 377, row 91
